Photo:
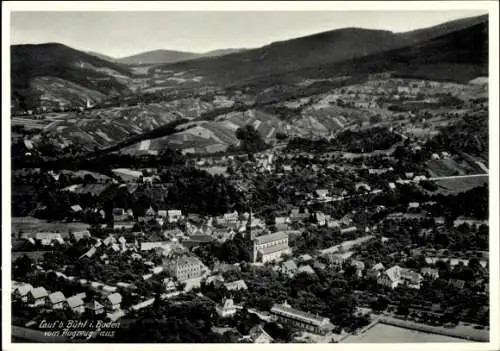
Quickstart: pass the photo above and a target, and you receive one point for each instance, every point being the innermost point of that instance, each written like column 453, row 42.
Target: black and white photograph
column 267, row 174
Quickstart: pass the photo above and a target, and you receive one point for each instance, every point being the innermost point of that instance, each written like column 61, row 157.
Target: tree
column 250, row 139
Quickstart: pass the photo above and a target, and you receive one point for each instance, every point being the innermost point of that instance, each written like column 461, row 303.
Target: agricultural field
column 448, row 167
column 458, row 185
column 32, row 225
column 384, row 333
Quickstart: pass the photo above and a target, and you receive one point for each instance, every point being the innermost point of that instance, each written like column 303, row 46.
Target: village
column 365, row 222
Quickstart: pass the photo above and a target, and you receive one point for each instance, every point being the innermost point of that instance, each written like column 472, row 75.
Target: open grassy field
column 33, row 225
column 457, row 185
column 384, row 333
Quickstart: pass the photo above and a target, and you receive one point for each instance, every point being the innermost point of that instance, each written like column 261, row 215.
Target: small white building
column 227, row 309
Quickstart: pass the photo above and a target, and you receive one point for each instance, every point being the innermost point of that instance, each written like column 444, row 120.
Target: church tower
column 250, row 233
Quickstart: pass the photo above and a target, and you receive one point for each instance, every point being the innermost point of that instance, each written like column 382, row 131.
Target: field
column 32, row 225
column 457, row 185
column 444, row 168
column 383, row 333
column 34, row 255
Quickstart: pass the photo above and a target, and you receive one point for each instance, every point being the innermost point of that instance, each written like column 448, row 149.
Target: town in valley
column 254, row 195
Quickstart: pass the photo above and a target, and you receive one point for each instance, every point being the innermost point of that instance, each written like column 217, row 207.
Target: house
column 236, row 285
column 306, row 269
column 123, row 243
column 47, row 238
column 174, row 216
column 75, row 303
column 56, row 300
column 162, row 213
column 194, row 218
column 319, row 266
column 360, row 267
column 119, row 214
column 409, row 175
column 107, row 289
column 348, row 230
column 110, row 240
column 213, row 279
column 227, row 309
column 135, row 256
column 258, row 336
column 150, row 212
column 37, row 296
column 392, row 186
column 456, row 283
column 81, row 235
column 413, row 205
column 362, row 187
column 156, row 270
column 419, row 178
column 169, row 285
column 322, row 194
column 223, row 235
column 94, row 307
column 335, row 260
column 296, row 215
column 332, row 223
column 76, row 209
column 21, row 292
column 288, row 268
column 173, row 233
column 305, row 258
column 285, row 314
column 142, row 304
column 115, row 248
column 435, row 156
column 113, row 301
column 124, row 285
column 469, row 221
column 150, row 245
column 396, row 275
column 282, row 223
column 321, row 218
column 432, row 273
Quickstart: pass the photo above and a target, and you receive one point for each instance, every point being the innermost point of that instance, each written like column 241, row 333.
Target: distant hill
column 157, row 57
column 458, row 56
column 221, row 52
column 50, row 63
column 328, row 48
column 292, row 54
column 102, row 56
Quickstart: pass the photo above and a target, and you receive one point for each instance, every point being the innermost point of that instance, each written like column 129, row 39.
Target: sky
column 119, row 33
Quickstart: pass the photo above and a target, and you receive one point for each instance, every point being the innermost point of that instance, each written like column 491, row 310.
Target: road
column 459, row 177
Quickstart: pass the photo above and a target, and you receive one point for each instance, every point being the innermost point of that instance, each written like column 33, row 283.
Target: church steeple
column 249, row 226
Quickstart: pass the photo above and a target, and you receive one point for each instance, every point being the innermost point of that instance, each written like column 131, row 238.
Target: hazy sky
column 120, row 34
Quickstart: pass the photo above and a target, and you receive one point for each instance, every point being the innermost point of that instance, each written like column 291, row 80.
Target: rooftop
column 288, row 311
column 271, row 237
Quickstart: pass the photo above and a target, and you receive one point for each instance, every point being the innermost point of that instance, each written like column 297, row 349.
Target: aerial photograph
column 249, row 177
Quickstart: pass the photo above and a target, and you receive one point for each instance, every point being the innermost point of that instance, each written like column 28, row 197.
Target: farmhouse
column 38, row 296
column 56, row 300
column 75, row 303
column 21, row 292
